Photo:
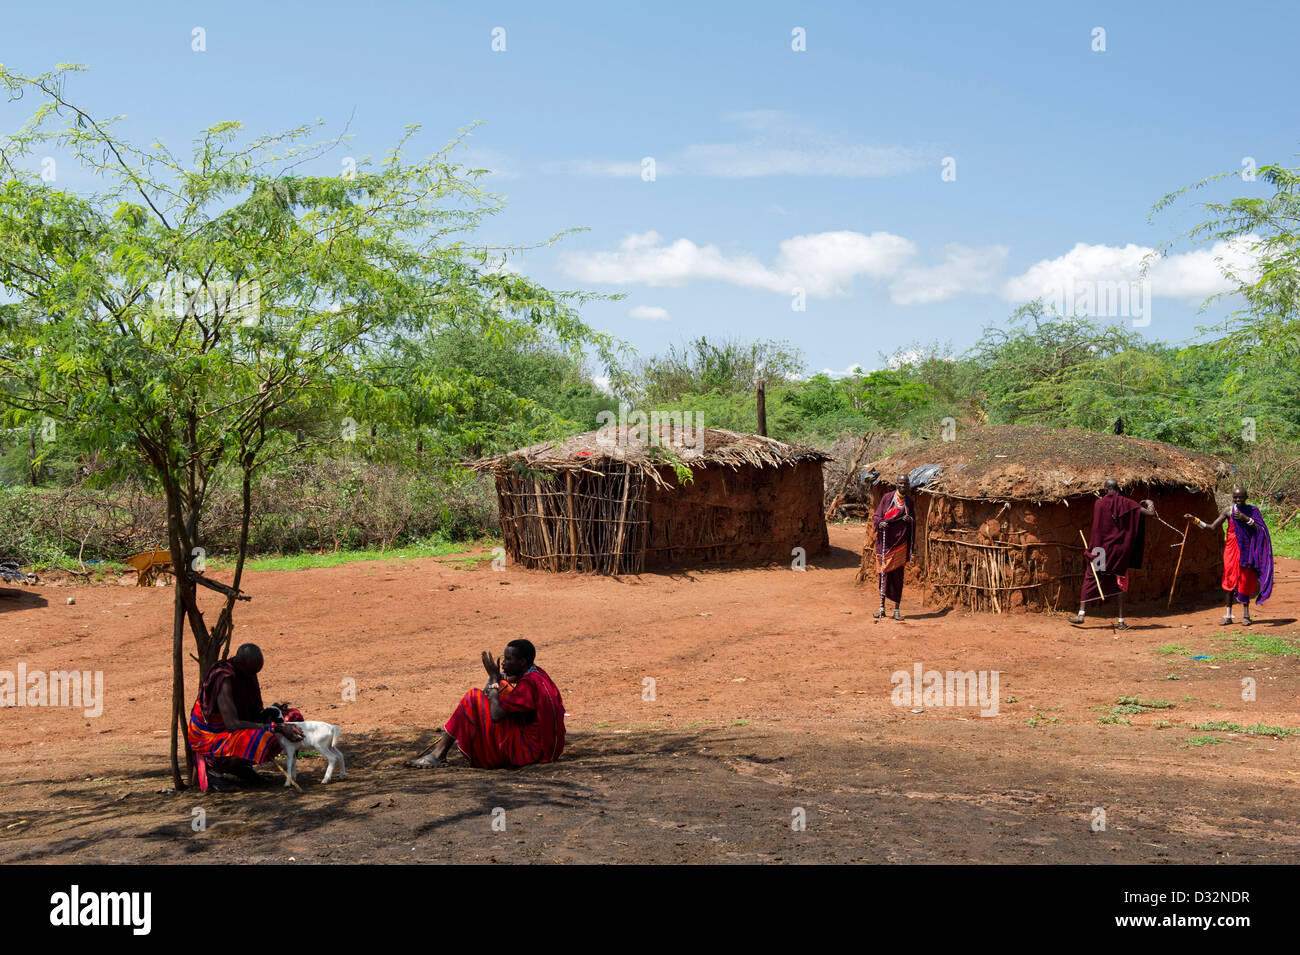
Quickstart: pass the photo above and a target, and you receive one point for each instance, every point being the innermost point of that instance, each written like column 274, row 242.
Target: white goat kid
column 322, row 737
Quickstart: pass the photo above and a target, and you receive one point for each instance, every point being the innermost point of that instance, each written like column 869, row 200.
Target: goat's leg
column 290, row 756
column 343, row 766
column 329, row 770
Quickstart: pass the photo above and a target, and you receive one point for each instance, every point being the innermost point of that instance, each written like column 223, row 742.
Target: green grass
column 1114, row 721
column 1131, row 704
column 1253, row 645
column 1203, row 741
column 1259, row 729
column 1286, row 543
column 429, row 548
column 1172, row 648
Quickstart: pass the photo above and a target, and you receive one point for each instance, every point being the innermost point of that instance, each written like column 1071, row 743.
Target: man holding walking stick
column 1115, row 548
column 895, row 524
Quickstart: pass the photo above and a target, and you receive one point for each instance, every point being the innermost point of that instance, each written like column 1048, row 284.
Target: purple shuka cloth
column 1117, row 528
column 1255, row 548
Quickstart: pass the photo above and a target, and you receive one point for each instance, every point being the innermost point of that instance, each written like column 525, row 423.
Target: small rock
column 71, row 601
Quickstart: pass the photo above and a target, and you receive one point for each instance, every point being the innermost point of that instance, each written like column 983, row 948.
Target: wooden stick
column 573, row 524
column 286, row 774
column 848, row 475
column 1174, row 582
column 1087, row 555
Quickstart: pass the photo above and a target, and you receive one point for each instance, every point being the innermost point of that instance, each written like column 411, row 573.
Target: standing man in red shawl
column 1115, row 548
column 225, row 734
column 517, row 719
column 1247, row 554
column 895, row 525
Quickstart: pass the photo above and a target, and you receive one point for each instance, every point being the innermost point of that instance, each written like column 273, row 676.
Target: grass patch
column 1259, row 729
column 1286, row 542
column 1034, row 721
column 1113, row 720
column 1203, row 741
column 1171, row 648
column 434, row 547
column 1252, row 646
column 1131, row 705
column 1173, row 676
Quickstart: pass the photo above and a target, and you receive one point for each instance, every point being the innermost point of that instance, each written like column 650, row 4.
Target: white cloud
column 777, row 144
column 496, row 162
column 604, row 168
column 649, row 313
column 822, row 264
column 854, row 369
column 1191, row 275
column 964, row 271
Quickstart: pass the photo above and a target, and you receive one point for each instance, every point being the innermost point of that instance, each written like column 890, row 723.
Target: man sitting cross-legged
column 517, row 719
column 224, row 732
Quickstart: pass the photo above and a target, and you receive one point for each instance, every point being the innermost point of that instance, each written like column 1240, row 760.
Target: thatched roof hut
column 1000, row 510
column 612, row 500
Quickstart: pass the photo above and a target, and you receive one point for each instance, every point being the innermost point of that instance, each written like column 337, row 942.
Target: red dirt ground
column 773, row 697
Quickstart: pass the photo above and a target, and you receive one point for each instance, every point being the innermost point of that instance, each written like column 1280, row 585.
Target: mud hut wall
column 735, row 515
column 1030, row 556
column 588, row 521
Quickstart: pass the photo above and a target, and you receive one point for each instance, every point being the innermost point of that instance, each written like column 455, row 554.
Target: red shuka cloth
column 207, row 731
column 894, row 544
column 1243, row 580
column 532, row 732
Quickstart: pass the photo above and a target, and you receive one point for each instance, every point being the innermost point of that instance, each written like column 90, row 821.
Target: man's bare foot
column 427, row 761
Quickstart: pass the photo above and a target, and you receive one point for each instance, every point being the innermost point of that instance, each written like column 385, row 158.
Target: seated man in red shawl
column 225, row 734
column 1247, row 554
column 517, row 719
column 1115, row 548
column 895, row 526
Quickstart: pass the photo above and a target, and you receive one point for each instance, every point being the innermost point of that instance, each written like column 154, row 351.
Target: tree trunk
column 178, row 720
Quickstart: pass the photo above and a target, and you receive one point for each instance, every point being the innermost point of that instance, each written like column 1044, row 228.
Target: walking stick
column 292, row 781
column 880, row 556
column 1174, row 583
column 1088, row 557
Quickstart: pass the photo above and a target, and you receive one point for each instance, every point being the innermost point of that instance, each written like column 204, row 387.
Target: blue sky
column 775, row 169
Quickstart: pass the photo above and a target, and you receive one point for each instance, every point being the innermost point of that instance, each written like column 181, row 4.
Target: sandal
column 1247, row 622
column 1077, row 618
column 427, row 761
column 1225, row 621
column 1121, row 625
column 898, row 614
column 878, row 614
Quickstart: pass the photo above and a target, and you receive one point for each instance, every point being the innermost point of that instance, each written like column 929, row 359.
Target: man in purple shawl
column 1115, row 548
column 1247, row 554
column 895, row 525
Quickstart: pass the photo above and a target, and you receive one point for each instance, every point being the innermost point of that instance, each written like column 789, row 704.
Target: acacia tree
column 187, row 314
column 1261, row 260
